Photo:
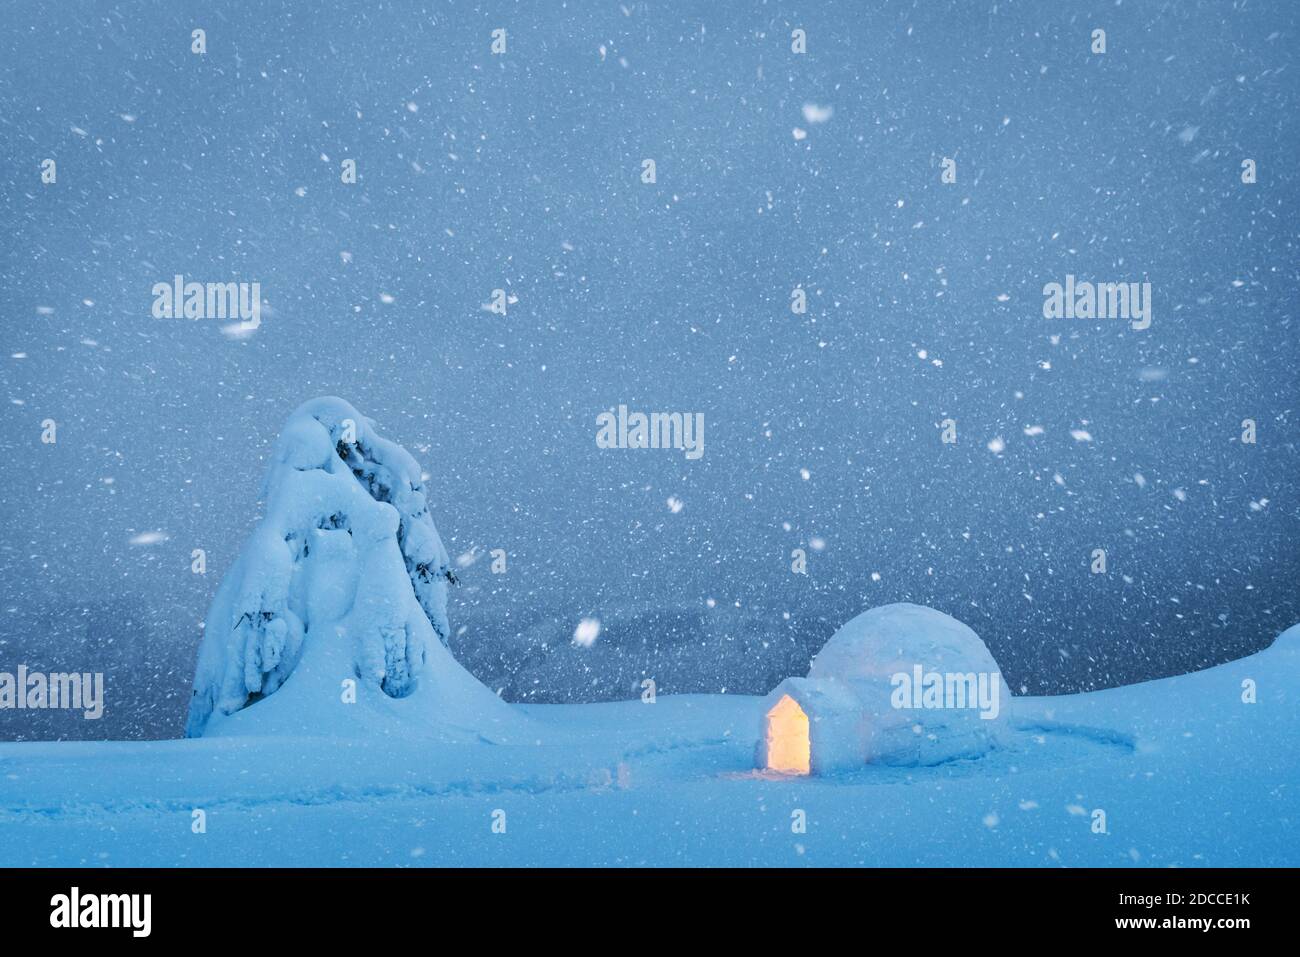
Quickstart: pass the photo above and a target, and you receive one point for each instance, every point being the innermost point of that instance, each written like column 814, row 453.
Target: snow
column 1186, row 773
column 148, row 538
column 586, row 633
column 814, row 114
column 343, row 586
column 881, row 641
column 868, row 655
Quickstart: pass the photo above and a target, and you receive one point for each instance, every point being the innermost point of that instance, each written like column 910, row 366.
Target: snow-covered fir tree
column 344, row 580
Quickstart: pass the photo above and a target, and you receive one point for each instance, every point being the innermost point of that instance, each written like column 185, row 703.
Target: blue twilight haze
column 843, row 259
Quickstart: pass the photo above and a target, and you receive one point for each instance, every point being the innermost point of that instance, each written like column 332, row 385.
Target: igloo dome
column 884, row 641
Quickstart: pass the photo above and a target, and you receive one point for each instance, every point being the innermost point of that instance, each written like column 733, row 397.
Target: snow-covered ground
column 1186, row 773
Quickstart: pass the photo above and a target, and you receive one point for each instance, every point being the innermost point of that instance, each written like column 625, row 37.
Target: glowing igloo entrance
column 788, row 747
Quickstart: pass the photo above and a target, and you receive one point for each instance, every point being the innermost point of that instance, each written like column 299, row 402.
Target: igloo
column 898, row 685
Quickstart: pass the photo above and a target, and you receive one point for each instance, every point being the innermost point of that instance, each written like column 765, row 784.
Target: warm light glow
column 788, row 749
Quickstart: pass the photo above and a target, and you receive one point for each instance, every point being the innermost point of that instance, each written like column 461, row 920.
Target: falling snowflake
column 588, row 630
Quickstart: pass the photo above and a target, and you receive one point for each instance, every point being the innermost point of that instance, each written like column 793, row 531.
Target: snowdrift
column 333, row 620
